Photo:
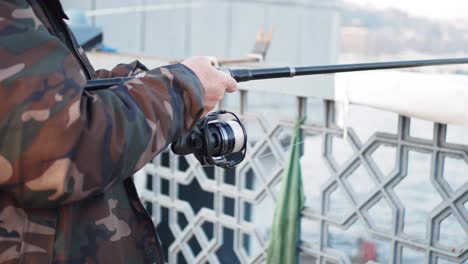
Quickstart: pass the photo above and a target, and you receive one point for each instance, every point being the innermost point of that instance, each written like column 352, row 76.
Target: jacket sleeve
column 60, row 143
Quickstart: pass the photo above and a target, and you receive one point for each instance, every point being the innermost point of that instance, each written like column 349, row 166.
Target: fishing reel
column 215, row 142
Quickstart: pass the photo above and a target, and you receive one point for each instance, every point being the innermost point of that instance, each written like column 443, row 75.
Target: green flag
column 285, row 233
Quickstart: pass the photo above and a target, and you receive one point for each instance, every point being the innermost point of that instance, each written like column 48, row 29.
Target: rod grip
column 240, row 75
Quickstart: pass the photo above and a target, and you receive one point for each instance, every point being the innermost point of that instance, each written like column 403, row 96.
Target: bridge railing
column 387, row 189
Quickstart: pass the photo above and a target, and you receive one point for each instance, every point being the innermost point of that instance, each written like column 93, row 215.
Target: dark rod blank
column 244, row 75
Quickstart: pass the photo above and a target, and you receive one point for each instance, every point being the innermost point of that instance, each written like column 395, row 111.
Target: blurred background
column 369, row 200
column 305, row 32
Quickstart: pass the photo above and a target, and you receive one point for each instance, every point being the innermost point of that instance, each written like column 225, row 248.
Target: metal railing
column 390, row 190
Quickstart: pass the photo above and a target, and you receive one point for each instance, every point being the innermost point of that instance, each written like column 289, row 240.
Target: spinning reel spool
column 215, row 142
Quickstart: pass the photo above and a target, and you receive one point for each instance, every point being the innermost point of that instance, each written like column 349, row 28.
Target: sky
column 436, row 9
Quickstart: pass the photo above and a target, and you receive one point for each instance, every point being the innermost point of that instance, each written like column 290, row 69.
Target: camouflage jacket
column 67, row 154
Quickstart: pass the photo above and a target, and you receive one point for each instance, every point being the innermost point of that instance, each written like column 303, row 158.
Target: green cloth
column 286, row 228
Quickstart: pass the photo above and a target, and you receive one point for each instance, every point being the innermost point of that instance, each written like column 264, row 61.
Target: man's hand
column 215, row 82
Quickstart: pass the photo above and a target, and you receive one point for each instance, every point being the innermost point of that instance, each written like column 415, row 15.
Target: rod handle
column 240, row 75
column 98, row 84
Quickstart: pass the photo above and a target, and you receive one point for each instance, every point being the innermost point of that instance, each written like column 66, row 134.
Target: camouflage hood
column 67, row 154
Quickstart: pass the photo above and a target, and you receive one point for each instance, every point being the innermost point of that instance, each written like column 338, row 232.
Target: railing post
column 93, row 7
column 143, row 22
column 301, row 114
column 243, row 102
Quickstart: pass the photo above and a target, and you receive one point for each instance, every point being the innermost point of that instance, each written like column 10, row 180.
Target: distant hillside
column 393, row 31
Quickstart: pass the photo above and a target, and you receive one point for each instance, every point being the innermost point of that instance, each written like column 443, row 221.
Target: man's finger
column 231, row 85
column 229, row 82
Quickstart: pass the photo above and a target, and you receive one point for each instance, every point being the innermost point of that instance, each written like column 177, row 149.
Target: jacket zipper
column 77, row 52
column 66, row 31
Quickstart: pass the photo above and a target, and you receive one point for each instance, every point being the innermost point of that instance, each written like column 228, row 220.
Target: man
column 67, row 155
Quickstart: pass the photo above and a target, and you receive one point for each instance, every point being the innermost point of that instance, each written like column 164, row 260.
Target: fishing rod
column 224, row 143
column 244, row 75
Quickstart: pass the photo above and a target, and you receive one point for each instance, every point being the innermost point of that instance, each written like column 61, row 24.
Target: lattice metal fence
column 392, row 190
